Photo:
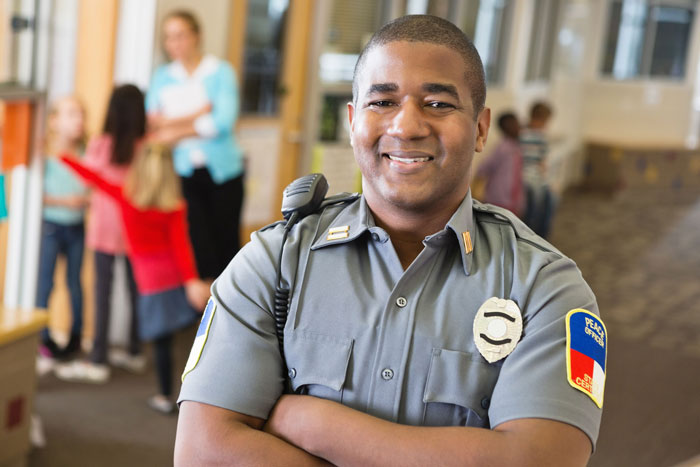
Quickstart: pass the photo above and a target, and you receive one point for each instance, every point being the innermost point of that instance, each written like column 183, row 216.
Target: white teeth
column 409, row 160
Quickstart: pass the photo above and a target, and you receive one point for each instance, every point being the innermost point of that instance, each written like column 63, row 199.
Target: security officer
column 431, row 329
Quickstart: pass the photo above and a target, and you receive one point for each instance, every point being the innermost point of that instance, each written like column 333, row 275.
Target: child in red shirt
column 155, row 226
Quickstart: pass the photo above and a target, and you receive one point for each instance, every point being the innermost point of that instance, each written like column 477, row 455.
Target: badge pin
column 338, row 233
column 498, row 325
column 467, row 238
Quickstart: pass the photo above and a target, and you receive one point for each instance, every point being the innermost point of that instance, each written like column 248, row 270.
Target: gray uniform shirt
column 392, row 343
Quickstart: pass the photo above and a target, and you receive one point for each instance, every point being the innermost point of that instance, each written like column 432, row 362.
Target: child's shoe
column 161, row 404
column 72, row 347
column 122, row 359
column 49, row 348
column 83, row 372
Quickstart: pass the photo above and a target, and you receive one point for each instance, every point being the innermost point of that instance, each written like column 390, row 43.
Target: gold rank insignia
column 338, row 233
column 468, row 247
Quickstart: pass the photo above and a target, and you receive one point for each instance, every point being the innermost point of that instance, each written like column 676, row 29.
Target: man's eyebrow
column 379, row 88
column 438, row 88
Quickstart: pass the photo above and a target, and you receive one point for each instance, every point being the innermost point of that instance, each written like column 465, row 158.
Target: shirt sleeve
column 152, row 95
column 225, row 104
column 93, row 178
column 533, row 379
column 181, row 245
column 238, row 366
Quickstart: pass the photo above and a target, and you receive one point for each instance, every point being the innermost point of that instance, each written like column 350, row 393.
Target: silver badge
column 498, row 326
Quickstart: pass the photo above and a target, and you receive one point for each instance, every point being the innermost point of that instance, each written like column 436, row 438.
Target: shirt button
column 401, row 302
column 387, row 374
column 375, row 237
column 292, row 373
column 485, row 403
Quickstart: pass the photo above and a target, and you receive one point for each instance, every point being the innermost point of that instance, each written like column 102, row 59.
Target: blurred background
column 622, row 78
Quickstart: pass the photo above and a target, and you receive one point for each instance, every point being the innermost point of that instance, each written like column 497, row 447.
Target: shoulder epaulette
column 335, row 200
column 491, row 213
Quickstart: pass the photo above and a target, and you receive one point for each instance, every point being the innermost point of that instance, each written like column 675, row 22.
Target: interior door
column 268, row 46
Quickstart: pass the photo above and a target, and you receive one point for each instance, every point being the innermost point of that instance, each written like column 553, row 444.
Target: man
column 424, row 329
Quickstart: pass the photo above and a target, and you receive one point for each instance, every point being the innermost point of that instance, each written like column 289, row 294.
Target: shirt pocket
column 317, row 363
column 458, row 389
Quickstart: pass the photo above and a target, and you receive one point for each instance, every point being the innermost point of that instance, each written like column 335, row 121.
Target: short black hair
column 540, row 110
column 504, row 119
column 433, row 30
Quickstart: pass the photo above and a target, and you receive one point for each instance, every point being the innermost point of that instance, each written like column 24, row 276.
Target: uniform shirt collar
column 357, row 219
column 462, row 226
column 350, row 224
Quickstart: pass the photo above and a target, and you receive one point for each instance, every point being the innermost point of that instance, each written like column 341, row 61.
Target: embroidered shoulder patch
column 201, row 338
column 586, row 353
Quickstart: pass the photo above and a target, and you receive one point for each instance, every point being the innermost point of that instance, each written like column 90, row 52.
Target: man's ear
column 483, row 123
column 351, row 119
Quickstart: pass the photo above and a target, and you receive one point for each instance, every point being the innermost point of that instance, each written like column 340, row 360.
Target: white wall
column 63, row 48
column 133, row 57
column 639, row 113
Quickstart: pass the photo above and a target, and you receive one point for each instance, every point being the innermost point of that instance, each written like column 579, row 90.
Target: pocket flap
column 317, row 359
column 459, row 378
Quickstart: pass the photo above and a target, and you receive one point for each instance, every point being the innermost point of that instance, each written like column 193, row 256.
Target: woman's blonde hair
column 152, row 182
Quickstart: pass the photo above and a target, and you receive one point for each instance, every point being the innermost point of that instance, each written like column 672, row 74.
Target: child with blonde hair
column 63, row 228
column 155, row 225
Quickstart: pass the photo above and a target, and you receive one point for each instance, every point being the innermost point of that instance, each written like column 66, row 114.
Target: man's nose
column 409, row 122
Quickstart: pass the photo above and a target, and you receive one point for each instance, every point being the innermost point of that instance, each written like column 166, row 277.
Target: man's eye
column 440, row 105
column 380, row 103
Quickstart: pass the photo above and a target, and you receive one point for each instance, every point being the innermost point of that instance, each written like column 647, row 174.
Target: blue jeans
column 68, row 240
column 539, row 210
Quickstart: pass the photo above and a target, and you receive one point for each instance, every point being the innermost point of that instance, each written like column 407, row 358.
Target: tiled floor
column 639, row 251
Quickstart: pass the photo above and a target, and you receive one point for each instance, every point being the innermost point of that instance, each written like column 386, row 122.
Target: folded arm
column 344, row 436
column 209, row 435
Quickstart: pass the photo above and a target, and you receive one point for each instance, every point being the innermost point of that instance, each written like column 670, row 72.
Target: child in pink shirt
column 110, row 155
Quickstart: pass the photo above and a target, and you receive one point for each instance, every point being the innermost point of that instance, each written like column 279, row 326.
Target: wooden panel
column 296, row 58
column 236, row 38
column 97, row 33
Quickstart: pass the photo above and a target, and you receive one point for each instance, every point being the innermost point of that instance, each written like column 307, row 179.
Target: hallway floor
column 639, row 251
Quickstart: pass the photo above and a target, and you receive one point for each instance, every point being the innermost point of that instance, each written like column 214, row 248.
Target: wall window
column 542, row 40
column 263, row 56
column 648, row 38
column 488, row 23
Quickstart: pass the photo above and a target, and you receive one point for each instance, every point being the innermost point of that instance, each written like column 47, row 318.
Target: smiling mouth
column 407, row 160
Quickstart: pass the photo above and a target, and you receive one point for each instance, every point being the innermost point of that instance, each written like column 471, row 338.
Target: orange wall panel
column 16, row 133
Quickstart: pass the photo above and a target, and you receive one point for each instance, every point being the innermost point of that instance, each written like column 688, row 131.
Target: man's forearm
column 208, row 435
column 344, row 436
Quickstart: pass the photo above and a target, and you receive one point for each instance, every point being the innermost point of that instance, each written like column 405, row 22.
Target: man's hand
column 209, row 435
column 344, row 436
column 293, row 416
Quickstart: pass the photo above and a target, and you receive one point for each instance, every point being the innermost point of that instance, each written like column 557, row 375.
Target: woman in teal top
column 193, row 103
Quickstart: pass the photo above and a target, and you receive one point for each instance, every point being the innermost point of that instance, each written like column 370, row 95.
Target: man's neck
column 407, row 229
